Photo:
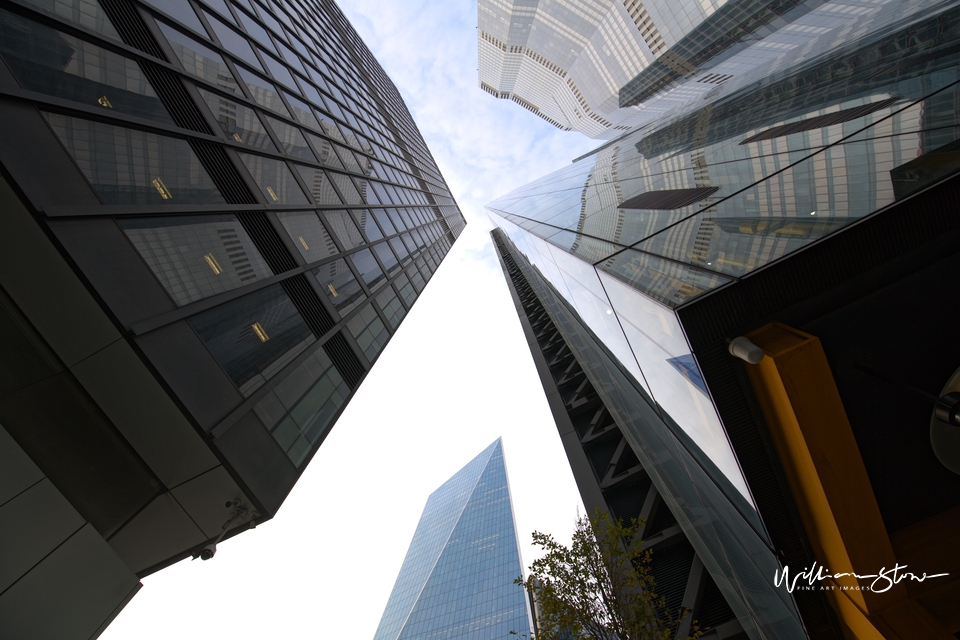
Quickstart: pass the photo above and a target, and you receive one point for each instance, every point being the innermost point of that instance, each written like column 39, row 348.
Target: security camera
column 208, row 552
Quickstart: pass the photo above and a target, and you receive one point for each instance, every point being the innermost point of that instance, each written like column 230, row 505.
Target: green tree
column 600, row 587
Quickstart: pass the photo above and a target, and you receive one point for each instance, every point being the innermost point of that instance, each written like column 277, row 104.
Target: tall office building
column 457, row 580
column 215, row 216
column 804, row 223
column 605, row 67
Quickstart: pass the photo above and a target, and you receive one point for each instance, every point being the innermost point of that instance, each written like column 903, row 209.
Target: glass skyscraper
column 215, row 216
column 456, row 581
column 810, row 210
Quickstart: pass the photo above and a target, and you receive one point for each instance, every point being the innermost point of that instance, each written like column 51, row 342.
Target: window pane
column 370, row 271
column 239, row 122
column 48, row 61
column 263, row 92
column 255, row 30
column 391, row 306
column 279, row 71
column 87, row 13
column 233, row 42
column 292, row 139
column 344, row 228
column 302, row 112
column 389, row 260
column 319, row 185
column 126, row 166
column 369, row 331
column 274, row 179
column 300, row 409
column 308, row 234
column 367, row 224
column 179, row 10
column 195, row 257
column 253, row 337
column 200, row 60
column 325, row 149
column 384, row 220
column 338, row 283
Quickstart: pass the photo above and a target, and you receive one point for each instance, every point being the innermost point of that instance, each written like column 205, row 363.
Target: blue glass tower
column 456, row 581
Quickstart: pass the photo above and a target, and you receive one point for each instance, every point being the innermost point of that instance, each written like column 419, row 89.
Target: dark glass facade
column 456, row 581
column 217, row 215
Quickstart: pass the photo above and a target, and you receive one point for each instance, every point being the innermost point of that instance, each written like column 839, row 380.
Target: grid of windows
column 456, row 581
column 313, row 144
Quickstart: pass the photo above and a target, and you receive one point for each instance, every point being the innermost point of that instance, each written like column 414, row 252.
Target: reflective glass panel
column 367, row 224
column 195, row 257
column 370, row 271
column 391, row 306
column 179, row 10
column 254, row 337
column 126, row 166
column 86, row 13
column 274, row 179
column 344, row 228
column 300, row 409
column 341, row 287
column 200, row 60
column 233, row 42
column 319, row 184
column 263, row 92
column 292, row 139
column 308, row 234
column 369, row 331
column 57, row 64
column 239, row 122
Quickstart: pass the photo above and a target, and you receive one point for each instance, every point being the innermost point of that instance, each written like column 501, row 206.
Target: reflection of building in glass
column 604, row 68
column 811, row 202
column 198, row 271
column 457, row 580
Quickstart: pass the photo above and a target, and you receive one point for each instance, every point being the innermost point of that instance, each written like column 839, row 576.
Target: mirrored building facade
column 813, row 211
column 605, row 67
column 457, row 579
column 216, row 215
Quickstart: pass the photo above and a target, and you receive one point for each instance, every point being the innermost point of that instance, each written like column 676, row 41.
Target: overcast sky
column 456, row 376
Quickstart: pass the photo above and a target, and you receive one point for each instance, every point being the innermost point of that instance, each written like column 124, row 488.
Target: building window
column 195, row 257
column 86, row 13
column 369, row 331
column 391, row 306
column 126, row 166
column 238, row 122
column 344, row 228
column 309, row 235
column 300, row 409
column 56, row 64
column 274, row 179
column 319, row 184
column 200, row 60
column 370, row 271
column 254, row 337
column 340, row 285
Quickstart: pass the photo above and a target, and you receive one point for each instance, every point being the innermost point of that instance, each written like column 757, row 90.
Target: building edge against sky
column 213, row 223
column 810, row 211
column 457, row 579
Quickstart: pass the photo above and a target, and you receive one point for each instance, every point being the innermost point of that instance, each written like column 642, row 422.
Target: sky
column 457, row 375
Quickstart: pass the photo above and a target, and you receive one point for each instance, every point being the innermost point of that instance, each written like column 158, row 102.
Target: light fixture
column 214, row 265
column 103, row 102
column 237, row 137
column 273, row 194
column 162, row 189
column 259, row 330
column 332, row 290
column 304, row 243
